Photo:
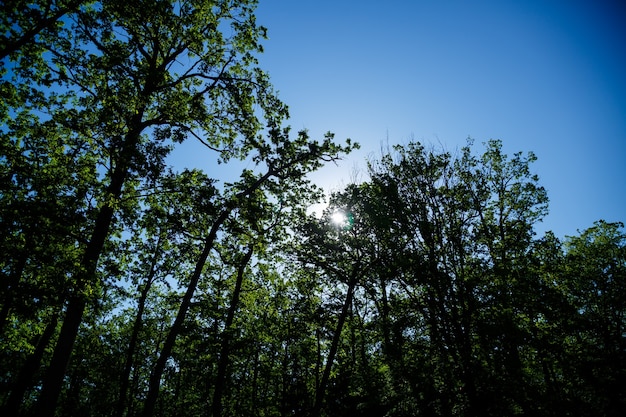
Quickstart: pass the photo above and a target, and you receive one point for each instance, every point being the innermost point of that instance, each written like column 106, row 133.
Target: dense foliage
column 132, row 287
column 452, row 305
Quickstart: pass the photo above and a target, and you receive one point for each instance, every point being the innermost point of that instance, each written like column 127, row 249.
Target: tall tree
column 164, row 245
column 118, row 92
column 336, row 245
column 454, row 233
column 595, row 275
column 286, row 162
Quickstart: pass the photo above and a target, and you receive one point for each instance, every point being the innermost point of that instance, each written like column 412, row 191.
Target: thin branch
column 30, row 34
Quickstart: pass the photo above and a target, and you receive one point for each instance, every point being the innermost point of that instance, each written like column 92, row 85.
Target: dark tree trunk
column 28, row 371
column 125, row 378
column 166, row 351
column 11, row 284
column 168, row 346
column 321, row 389
column 220, row 380
column 53, row 381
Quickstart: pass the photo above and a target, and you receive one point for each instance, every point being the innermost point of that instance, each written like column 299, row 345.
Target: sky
column 543, row 76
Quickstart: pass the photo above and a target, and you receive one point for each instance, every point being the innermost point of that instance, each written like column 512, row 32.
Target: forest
column 131, row 286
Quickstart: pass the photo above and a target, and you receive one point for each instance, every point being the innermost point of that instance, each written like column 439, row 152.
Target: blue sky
column 543, row 76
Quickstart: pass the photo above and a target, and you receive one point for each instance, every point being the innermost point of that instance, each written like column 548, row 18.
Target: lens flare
column 339, row 218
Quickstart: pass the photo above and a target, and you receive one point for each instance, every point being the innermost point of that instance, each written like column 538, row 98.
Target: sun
column 338, row 218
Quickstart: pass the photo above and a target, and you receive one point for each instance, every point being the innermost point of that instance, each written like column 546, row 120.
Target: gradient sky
column 544, row 76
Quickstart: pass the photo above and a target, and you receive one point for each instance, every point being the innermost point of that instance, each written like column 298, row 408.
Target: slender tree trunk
column 26, row 375
column 132, row 345
column 255, row 381
column 321, row 389
column 155, row 378
column 125, row 378
column 318, row 359
column 286, row 380
column 53, row 381
column 13, row 282
column 220, row 380
column 170, row 340
column 386, row 323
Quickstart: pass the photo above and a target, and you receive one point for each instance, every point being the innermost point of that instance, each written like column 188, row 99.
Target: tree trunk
column 155, row 378
column 125, row 378
column 53, row 381
column 28, row 371
column 168, row 346
column 9, row 286
column 321, row 389
column 220, row 380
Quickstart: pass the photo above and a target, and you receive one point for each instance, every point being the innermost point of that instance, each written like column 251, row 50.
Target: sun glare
column 338, row 218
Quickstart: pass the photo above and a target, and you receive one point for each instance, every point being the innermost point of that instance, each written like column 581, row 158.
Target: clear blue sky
column 543, row 76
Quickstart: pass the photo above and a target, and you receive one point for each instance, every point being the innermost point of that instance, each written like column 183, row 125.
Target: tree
column 165, row 246
column 337, row 247
column 22, row 22
column 453, row 234
column 105, row 80
column 287, row 162
column 595, row 275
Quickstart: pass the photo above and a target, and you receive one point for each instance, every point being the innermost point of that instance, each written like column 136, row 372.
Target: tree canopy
column 132, row 287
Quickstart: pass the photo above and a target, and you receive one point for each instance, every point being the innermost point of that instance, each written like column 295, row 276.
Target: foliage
column 131, row 287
